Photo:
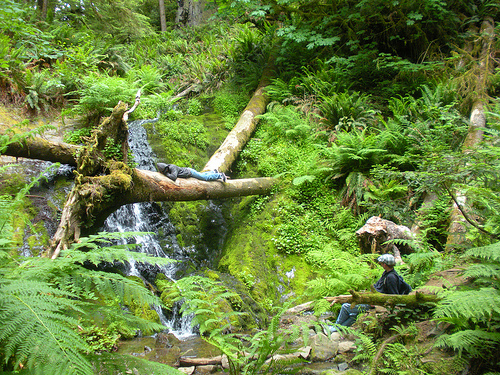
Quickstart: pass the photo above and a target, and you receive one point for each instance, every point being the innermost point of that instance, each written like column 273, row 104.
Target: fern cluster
column 475, row 311
column 45, row 305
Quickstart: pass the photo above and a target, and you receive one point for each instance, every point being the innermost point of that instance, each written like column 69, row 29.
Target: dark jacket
column 173, row 171
column 388, row 283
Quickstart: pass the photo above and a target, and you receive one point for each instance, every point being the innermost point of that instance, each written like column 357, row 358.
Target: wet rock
column 322, row 348
column 343, row 366
column 167, row 340
column 207, row 369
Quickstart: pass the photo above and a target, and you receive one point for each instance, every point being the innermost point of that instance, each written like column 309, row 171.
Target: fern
column 477, row 343
column 204, row 298
column 475, row 313
column 44, row 302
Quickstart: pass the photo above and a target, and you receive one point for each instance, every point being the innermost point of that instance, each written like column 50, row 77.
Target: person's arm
column 171, row 171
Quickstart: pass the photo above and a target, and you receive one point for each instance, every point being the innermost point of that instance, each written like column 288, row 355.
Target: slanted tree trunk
column 227, row 153
column 459, row 220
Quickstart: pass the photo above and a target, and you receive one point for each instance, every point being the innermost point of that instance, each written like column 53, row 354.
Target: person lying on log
column 173, row 172
column 389, row 283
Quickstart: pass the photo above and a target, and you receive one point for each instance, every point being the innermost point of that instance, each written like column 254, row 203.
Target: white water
column 150, row 217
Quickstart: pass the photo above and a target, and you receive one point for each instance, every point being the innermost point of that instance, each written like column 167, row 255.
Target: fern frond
column 113, row 364
column 37, row 332
column 475, row 342
column 490, row 253
column 478, row 305
column 485, row 270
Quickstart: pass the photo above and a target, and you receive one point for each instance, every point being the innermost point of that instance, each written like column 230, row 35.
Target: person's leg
column 344, row 314
column 205, row 176
column 348, row 315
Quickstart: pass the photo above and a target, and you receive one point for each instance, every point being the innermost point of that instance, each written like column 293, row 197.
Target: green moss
column 250, row 255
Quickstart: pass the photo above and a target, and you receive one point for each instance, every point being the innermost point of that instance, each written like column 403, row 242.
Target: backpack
column 404, row 287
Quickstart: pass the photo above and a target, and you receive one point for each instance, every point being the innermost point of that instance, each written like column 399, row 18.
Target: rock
column 322, row 348
column 225, row 362
column 343, row 366
column 187, row 370
column 346, row 347
column 167, row 339
column 207, row 369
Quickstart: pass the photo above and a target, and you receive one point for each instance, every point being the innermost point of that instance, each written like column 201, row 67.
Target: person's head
column 387, row 261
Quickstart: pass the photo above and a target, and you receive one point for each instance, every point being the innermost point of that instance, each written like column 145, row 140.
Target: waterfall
column 150, row 217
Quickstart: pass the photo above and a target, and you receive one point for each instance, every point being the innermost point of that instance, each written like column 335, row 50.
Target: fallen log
column 380, row 299
column 42, row 149
column 238, row 137
column 192, row 361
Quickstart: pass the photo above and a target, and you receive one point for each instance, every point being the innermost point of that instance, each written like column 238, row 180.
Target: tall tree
column 162, row 15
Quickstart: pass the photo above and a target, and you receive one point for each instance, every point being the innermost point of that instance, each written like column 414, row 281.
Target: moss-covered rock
column 250, row 256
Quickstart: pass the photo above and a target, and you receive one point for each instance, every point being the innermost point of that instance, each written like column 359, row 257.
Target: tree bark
column 459, row 224
column 163, row 24
column 373, row 237
column 41, row 149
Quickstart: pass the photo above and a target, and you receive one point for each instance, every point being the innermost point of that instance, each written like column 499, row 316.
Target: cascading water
column 149, row 217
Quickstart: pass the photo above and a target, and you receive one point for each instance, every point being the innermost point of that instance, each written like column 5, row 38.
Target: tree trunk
column 163, row 23
column 236, row 140
column 42, row 6
column 192, row 12
column 41, row 149
column 459, row 224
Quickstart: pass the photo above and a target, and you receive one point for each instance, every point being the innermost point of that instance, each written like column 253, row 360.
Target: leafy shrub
column 147, row 77
column 195, row 107
column 99, row 95
column 42, row 90
column 347, row 111
column 76, row 136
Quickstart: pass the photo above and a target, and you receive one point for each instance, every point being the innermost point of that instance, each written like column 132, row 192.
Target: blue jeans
column 205, row 176
column 347, row 316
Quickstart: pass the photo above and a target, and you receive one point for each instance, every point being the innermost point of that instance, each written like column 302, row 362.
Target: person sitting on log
column 389, row 283
column 173, row 172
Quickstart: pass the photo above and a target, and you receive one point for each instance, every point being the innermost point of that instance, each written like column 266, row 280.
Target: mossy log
column 380, row 299
column 42, row 149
